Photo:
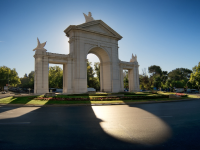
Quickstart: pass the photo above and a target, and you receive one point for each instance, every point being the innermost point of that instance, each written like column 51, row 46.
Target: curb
column 64, row 105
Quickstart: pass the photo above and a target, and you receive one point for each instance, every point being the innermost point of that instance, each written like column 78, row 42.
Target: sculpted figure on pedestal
column 134, row 58
column 40, row 46
column 89, row 17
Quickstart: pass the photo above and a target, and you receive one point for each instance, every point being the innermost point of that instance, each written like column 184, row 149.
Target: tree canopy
column 93, row 81
column 8, row 75
column 179, row 77
column 55, row 77
column 179, row 74
column 97, row 69
column 155, row 70
column 28, row 80
column 126, row 85
column 195, row 76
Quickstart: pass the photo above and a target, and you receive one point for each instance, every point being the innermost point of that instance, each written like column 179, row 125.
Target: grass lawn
column 30, row 99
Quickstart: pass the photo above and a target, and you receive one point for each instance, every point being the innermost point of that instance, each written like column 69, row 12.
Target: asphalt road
column 174, row 125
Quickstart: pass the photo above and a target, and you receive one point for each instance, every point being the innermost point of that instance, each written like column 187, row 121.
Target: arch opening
column 55, row 80
column 125, row 80
column 102, row 69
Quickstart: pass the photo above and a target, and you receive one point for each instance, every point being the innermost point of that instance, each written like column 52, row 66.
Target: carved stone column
column 67, row 77
column 41, row 79
column 121, row 80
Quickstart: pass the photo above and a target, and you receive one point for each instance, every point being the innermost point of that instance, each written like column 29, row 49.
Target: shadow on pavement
column 80, row 127
column 74, row 127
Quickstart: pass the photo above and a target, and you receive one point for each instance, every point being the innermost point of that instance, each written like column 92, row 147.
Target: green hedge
column 102, row 98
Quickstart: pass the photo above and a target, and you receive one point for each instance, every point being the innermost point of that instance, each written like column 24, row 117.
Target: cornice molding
column 91, row 23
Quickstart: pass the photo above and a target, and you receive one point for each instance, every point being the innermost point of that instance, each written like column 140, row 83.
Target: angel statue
column 89, row 17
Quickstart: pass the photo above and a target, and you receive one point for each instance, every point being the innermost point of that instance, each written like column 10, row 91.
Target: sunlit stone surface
column 147, row 129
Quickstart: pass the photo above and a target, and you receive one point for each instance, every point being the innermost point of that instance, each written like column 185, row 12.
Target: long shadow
column 50, row 127
column 14, row 100
column 76, row 127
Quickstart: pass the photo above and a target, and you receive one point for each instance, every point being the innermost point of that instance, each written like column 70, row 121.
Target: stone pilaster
column 41, row 80
column 67, row 77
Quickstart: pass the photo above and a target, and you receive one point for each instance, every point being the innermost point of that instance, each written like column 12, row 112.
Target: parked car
column 195, row 91
column 125, row 90
column 142, row 90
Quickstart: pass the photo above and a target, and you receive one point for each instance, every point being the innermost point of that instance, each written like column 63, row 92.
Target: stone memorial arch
column 93, row 36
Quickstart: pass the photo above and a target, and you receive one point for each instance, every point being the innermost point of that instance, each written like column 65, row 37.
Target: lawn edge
column 100, row 104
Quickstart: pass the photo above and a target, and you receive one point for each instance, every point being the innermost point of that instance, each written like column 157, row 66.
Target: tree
column 146, row 82
column 26, row 75
column 8, row 75
column 55, row 77
column 126, row 85
column 179, row 77
column 195, row 76
column 155, row 70
column 158, row 77
column 90, row 74
column 179, row 74
column 156, row 74
column 91, row 80
column 31, row 79
column 24, row 82
column 97, row 69
column 28, row 80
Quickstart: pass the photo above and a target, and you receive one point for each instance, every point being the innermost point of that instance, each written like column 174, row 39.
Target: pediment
column 96, row 26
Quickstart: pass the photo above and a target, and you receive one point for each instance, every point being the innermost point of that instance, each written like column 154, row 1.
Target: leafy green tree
column 8, row 75
column 146, row 82
column 92, row 81
column 156, row 76
column 179, row 77
column 90, row 74
column 97, row 69
column 28, row 80
column 164, row 77
column 155, row 70
column 96, row 83
column 126, row 85
column 24, row 81
column 179, row 74
column 195, row 76
column 55, row 77
column 31, row 79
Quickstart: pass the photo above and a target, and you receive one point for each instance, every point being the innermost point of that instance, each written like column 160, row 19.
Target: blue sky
column 161, row 32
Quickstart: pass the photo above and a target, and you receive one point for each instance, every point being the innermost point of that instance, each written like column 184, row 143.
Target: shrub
column 101, row 98
column 182, row 94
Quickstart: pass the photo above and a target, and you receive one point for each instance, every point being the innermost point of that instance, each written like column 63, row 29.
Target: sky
column 165, row 33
